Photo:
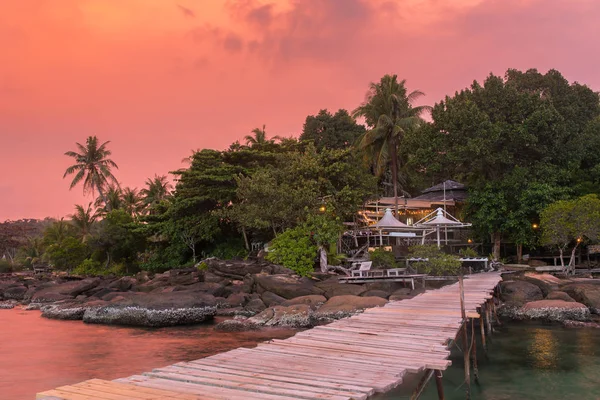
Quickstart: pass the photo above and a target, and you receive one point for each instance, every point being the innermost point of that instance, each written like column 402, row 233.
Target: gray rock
column 314, row 301
column 237, row 299
column 287, row 286
column 271, row 299
column 375, row 293
column 553, row 310
column 346, row 305
column 296, row 316
column 123, row 284
column 558, row 295
column 15, row 293
column 255, row 306
column 7, row 305
column 236, row 325
column 586, row 292
column 137, row 316
column 519, row 292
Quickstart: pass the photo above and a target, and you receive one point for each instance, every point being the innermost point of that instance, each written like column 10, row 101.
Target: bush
column 382, row 259
column 468, row 252
column 92, row 267
column 295, row 250
column 438, row 264
column 5, row 266
column 229, row 249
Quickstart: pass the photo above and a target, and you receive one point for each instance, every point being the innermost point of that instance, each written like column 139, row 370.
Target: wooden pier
column 352, row 358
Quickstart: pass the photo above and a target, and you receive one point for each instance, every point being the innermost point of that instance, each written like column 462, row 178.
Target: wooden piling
column 439, row 385
column 422, row 384
column 465, row 338
column 474, row 351
column 482, row 330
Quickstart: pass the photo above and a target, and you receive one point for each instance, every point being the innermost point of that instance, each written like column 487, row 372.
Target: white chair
column 363, row 270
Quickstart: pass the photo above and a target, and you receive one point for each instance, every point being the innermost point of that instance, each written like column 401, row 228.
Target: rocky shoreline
column 259, row 294
column 254, row 293
column 574, row 302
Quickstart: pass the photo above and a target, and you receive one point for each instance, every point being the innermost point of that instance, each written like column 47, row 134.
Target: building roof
column 455, row 192
column 389, row 221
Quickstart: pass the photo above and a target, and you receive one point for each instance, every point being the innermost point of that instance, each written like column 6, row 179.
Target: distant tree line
column 520, row 143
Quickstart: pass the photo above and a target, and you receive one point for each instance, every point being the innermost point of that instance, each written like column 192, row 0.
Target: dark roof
column 450, row 185
column 455, row 191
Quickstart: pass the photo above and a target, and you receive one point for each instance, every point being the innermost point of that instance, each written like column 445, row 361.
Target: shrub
column 468, row 252
column 382, row 259
column 93, row 267
column 438, row 264
column 5, row 266
column 295, row 250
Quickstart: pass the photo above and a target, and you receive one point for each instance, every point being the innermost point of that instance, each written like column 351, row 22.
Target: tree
column 390, row 115
column 132, row 202
column 157, row 189
column 325, row 130
column 92, row 166
column 112, row 200
column 259, row 138
column 518, row 142
column 83, row 220
column 571, row 221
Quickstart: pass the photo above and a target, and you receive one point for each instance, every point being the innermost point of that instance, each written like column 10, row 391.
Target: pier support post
column 488, row 317
column 438, row 384
column 422, row 383
column 465, row 338
column 474, row 351
column 482, row 330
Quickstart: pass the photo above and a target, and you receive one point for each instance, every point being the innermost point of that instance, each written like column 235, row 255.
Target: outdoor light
column 578, row 240
column 534, row 226
column 469, row 240
column 322, row 208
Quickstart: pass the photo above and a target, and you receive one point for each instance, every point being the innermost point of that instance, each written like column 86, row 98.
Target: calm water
column 37, row 354
column 527, row 361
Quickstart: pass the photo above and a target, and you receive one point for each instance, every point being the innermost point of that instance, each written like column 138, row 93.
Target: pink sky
column 161, row 77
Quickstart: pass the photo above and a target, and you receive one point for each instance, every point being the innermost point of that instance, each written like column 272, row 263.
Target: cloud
column 233, row 42
column 188, row 13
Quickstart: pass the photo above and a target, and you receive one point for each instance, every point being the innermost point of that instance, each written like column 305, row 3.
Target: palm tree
column 260, row 137
column 157, row 189
column 132, row 201
column 112, row 200
column 92, row 166
column 389, row 114
column 83, row 220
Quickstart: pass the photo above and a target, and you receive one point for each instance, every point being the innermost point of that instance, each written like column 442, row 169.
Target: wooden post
column 488, row 317
column 474, row 351
column 422, row 383
column 465, row 339
column 482, row 330
column 495, row 312
column 438, row 383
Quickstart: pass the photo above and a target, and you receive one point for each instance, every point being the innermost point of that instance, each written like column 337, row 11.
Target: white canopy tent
column 390, row 223
column 438, row 219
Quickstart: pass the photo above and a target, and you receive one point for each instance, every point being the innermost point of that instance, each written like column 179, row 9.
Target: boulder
column 213, row 278
column 554, row 310
column 215, row 289
column 402, row 294
column 314, row 301
column 586, row 292
column 375, row 293
column 517, row 293
column 271, row 299
column 123, row 284
column 15, row 293
column 49, row 296
column 184, row 276
column 558, row 295
column 287, row 286
column 296, row 316
column 537, row 263
column 155, row 310
column 546, row 282
column 255, row 306
column 236, row 325
column 332, row 288
column 237, row 269
column 142, row 277
column 7, row 305
column 341, row 306
column 389, row 287
column 237, row 299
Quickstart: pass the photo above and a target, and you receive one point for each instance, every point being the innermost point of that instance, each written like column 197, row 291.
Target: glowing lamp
column 322, row 209
column 535, row 226
column 469, row 240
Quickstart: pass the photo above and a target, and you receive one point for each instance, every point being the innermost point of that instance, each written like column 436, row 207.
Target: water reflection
column 543, row 349
column 37, row 354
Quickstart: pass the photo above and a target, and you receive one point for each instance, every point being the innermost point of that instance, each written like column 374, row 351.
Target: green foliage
column 96, row 268
column 567, row 221
column 202, row 266
column 67, row 254
column 382, row 259
column 228, row 249
column 327, row 131
column 295, row 250
column 468, row 252
column 5, row 266
column 438, row 264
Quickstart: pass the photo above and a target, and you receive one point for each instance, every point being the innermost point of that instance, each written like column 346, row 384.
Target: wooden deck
column 352, row 358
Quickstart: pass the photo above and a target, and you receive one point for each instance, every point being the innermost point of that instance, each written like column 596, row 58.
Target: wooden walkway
column 352, row 358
